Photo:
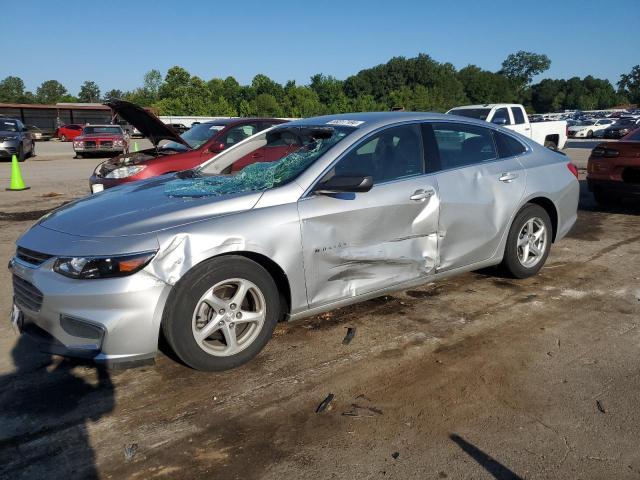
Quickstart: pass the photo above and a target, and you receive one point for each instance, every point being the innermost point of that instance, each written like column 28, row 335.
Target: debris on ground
column 130, row 451
column 325, row 403
column 395, row 455
column 600, row 407
column 363, row 408
column 351, row 332
column 51, row 195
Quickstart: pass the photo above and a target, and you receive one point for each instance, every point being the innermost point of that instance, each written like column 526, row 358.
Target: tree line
column 419, row 83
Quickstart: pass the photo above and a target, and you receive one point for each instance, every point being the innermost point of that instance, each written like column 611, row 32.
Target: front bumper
column 108, row 182
column 98, row 149
column 7, row 149
column 114, row 321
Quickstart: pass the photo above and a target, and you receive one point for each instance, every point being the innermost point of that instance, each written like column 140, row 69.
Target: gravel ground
column 478, row 376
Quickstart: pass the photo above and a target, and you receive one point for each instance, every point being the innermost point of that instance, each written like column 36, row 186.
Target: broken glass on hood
column 307, row 143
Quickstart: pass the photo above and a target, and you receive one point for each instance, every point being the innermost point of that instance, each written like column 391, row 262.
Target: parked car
column 621, row 128
column 66, row 133
column 364, row 204
column 551, row 134
column 181, row 152
column 613, row 169
column 16, row 140
column 100, row 139
column 39, row 134
column 588, row 128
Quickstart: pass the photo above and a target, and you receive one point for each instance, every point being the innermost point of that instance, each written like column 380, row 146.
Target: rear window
column 508, row 146
column 478, row 113
column 518, row 116
column 460, row 145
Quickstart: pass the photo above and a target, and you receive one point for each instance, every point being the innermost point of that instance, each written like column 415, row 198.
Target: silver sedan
column 339, row 209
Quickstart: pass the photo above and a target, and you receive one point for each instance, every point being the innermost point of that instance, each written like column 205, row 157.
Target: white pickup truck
column 514, row 117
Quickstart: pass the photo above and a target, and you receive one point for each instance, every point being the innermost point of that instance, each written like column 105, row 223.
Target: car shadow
column 626, row 206
column 490, row 464
column 45, row 408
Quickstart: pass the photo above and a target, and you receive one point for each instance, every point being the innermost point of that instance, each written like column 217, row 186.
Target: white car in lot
column 588, row 128
column 551, row 134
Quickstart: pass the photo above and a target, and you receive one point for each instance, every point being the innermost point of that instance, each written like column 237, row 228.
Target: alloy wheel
column 532, row 242
column 228, row 317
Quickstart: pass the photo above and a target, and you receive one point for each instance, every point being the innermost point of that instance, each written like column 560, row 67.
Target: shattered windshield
column 195, row 136
column 288, row 151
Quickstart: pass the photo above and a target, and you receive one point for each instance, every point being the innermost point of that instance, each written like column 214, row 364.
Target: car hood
column 145, row 122
column 99, row 135
column 139, row 208
column 577, row 128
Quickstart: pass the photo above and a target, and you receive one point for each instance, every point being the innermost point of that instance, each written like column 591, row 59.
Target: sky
column 114, row 42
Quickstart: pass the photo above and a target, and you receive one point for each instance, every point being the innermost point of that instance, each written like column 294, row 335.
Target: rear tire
column 222, row 313
column 590, row 134
column 551, row 145
column 528, row 242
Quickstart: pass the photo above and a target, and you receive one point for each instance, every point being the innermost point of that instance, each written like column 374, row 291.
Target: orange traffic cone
column 17, row 183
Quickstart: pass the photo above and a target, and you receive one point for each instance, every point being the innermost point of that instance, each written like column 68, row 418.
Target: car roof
column 488, row 105
column 230, row 121
column 373, row 120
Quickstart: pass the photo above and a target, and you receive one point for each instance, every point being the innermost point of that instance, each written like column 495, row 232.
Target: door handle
column 422, row 194
column 508, row 177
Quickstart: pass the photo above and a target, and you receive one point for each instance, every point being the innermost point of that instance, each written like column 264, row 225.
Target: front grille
column 32, row 257
column 106, row 144
column 89, row 144
column 26, row 295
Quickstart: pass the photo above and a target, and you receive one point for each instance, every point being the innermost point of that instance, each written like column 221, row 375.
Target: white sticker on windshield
column 216, row 128
column 346, row 123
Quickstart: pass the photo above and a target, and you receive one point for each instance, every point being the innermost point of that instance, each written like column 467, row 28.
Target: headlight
column 15, row 137
column 117, row 143
column 124, row 172
column 78, row 144
column 102, row 267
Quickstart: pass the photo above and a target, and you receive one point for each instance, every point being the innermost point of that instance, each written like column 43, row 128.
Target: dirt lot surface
column 478, row 376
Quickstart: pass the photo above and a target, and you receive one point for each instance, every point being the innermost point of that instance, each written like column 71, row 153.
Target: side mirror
column 341, row 184
column 499, row 121
column 217, row 147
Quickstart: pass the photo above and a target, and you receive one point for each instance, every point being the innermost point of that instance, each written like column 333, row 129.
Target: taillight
column 604, row 152
column 573, row 169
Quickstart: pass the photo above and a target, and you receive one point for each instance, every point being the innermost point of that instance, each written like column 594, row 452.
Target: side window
column 239, row 133
column 518, row 116
column 502, row 113
column 460, row 145
column 508, row 146
column 389, row 155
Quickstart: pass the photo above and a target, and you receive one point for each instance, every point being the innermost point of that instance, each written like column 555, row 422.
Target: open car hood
column 147, row 123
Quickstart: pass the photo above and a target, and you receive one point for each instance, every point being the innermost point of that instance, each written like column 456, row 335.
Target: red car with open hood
column 181, row 152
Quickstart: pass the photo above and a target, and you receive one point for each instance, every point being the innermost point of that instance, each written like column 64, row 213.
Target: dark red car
column 613, row 170
column 68, row 132
column 100, row 139
column 182, row 152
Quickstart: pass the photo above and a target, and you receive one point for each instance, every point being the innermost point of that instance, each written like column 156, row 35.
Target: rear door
column 479, row 188
column 358, row 243
column 520, row 123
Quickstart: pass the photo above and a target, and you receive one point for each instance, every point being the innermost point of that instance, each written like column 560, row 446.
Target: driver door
column 357, row 243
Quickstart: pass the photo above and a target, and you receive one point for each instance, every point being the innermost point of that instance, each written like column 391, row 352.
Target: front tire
column 21, row 156
column 529, row 242
column 222, row 313
column 590, row 134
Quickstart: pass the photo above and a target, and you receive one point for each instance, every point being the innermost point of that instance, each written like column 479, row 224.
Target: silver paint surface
column 332, row 249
